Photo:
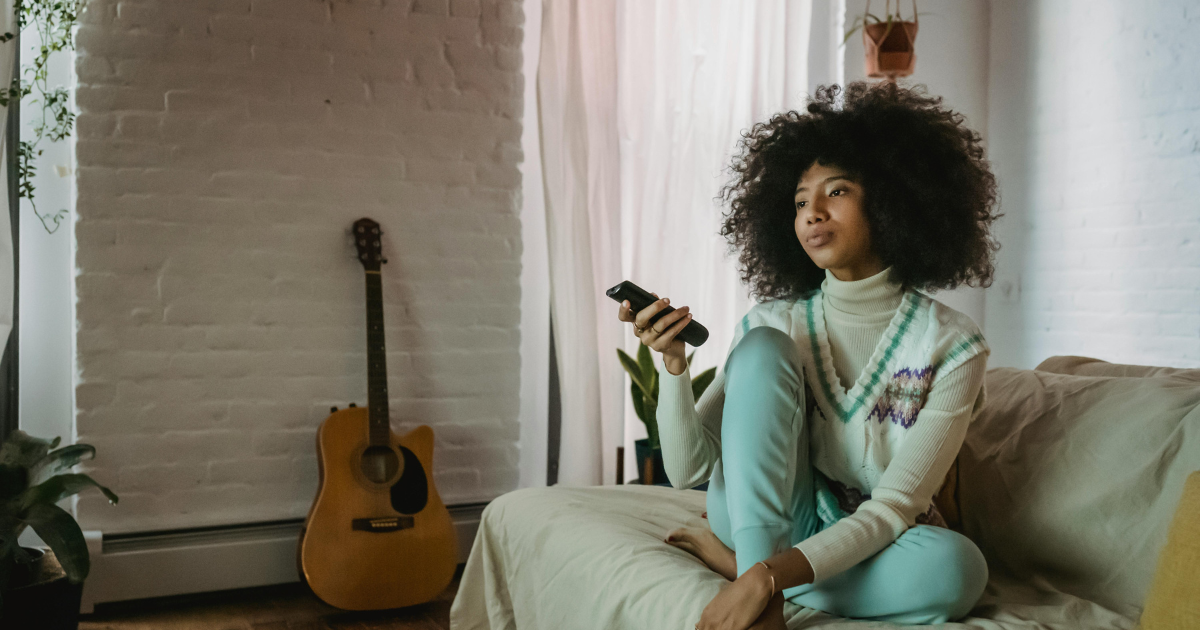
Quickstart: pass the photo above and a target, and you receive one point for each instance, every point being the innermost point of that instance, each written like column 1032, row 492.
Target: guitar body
column 377, row 535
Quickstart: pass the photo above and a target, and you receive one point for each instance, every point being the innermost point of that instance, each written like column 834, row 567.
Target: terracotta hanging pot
column 890, row 52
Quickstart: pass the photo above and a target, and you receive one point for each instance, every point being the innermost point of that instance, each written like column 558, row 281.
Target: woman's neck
column 876, row 295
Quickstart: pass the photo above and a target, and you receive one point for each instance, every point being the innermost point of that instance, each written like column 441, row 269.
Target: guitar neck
column 377, row 396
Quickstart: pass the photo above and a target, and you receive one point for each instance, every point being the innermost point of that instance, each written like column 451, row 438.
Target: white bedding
column 567, row 558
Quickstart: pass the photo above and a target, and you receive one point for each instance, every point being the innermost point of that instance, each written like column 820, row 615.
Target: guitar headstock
column 367, row 240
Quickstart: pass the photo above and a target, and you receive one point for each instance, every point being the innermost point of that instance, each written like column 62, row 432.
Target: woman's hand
column 744, row 604
column 660, row 336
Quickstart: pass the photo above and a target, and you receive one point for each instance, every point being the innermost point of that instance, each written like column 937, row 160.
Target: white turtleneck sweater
column 857, row 314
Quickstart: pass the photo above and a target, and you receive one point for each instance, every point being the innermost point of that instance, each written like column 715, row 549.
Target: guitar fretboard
column 377, row 396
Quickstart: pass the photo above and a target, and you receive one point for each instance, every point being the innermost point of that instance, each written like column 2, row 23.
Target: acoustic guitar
column 377, row 534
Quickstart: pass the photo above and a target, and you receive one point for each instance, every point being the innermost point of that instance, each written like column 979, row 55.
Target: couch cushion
column 1072, row 481
column 1088, row 366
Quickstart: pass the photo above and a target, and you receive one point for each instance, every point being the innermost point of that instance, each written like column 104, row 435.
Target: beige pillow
column 1072, row 481
column 1088, row 366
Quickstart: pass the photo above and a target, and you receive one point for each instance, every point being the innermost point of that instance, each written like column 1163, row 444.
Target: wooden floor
column 281, row 607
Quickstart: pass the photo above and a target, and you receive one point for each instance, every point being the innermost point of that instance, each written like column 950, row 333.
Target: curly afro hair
column 928, row 191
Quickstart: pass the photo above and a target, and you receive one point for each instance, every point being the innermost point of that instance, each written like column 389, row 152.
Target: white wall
column 225, row 147
column 952, row 61
column 1094, row 112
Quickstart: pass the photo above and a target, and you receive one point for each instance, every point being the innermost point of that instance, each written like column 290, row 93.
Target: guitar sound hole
column 379, row 463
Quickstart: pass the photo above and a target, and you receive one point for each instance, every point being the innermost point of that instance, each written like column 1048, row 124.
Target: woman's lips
column 820, row 239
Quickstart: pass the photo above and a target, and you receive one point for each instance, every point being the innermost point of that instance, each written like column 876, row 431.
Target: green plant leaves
column 60, row 460
column 649, row 372
column 55, row 21
column 13, row 481
column 644, row 383
column 29, row 490
column 59, row 530
column 632, row 367
column 59, row 487
column 859, row 23
column 702, row 381
column 636, row 395
column 22, row 449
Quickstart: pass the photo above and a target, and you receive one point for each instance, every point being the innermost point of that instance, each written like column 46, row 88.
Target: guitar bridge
column 382, row 525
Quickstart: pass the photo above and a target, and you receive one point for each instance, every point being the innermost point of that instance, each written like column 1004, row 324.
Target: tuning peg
column 333, row 409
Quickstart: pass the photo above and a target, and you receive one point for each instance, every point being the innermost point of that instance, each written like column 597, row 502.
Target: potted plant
column 644, row 390
column 889, row 44
column 32, row 481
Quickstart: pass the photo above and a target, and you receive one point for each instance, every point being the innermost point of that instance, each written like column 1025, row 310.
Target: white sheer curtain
column 641, row 104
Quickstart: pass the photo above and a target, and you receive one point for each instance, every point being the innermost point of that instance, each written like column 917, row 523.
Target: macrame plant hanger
column 890, row 53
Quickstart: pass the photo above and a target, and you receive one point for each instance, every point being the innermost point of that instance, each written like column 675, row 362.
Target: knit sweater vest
column 855, row 433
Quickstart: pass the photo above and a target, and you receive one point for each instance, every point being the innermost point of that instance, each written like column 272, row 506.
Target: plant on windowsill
column 644, row 390
column 33, row 479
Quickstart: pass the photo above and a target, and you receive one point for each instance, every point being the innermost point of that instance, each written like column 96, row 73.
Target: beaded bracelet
column 772, row 577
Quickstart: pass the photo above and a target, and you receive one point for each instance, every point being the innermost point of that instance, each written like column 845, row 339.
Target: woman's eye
column 799, row 204
column 837, row 190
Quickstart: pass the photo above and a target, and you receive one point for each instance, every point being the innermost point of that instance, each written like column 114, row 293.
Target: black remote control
column 693, row 334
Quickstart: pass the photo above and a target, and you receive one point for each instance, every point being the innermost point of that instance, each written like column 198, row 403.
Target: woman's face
column 831, row 225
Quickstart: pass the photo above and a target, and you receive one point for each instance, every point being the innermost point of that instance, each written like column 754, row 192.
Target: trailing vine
column 55, row 21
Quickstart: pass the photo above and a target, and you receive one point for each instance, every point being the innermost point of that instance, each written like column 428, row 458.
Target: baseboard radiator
column 177, row 562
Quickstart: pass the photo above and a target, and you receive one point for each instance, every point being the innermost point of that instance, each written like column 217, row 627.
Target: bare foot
column 704, row 544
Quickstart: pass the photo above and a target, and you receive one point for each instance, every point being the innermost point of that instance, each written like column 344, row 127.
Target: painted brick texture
column 224, row 149
column 1094, row 127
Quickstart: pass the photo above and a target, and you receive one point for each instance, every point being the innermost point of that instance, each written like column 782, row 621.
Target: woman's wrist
column 766, row 579
column 675, row 366
column 761, row 579
column 789, row 568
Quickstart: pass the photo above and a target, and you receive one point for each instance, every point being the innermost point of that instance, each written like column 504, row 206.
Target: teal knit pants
column 761, row 500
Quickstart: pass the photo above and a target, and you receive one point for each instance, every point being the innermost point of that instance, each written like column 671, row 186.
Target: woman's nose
column 816, row 209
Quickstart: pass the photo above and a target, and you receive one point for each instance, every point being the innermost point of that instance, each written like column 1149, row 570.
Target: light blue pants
column 761, row 501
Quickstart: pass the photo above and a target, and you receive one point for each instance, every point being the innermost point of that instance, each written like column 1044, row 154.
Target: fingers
column 645, row 315
column 671, row 322
column 625, row 313
column 662, row 341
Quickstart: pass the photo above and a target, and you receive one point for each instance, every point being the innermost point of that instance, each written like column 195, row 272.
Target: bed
column 1067, row 482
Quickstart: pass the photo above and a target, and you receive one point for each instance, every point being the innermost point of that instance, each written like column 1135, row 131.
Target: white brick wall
column 224, row 149
column 1094, row 130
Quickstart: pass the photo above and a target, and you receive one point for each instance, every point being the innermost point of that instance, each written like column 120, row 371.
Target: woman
column 845, row 394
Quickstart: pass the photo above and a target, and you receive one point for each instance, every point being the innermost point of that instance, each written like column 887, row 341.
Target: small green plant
column 644, row 389
column 55, row 21
column 32, row 482
column 859, row 22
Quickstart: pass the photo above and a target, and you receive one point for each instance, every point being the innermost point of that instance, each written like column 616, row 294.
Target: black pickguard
column 410, row 493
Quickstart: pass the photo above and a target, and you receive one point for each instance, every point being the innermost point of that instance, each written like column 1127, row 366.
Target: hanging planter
column 888, row 44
